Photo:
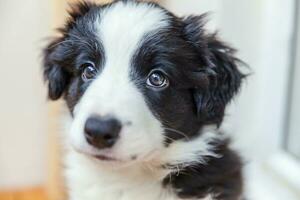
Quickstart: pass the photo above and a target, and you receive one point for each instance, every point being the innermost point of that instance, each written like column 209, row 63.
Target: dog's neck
column 86, row 175
column 89, row 180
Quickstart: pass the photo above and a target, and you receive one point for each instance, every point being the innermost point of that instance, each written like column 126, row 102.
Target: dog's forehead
column 123, row 26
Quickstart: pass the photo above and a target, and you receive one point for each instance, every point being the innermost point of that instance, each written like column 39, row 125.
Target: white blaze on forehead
column 123, row 26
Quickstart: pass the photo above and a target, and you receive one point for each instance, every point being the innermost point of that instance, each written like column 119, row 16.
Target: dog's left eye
column 158, row 80
column 89, row 72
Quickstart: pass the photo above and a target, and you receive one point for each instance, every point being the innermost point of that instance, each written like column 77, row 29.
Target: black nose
column 102, row 132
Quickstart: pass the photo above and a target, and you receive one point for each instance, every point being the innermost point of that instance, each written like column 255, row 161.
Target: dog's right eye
column 89, row 72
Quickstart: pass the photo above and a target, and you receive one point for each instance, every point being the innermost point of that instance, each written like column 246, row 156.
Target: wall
column 192, row 7
column 262, row 32
column 24, row 25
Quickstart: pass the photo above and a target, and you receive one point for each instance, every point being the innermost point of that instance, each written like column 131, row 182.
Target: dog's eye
column 89, row 72
column 157, row 80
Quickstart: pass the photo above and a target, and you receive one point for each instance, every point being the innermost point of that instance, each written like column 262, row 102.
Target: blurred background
column 263, row 119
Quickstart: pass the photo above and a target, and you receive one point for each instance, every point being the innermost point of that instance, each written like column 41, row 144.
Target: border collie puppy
column 147, row 92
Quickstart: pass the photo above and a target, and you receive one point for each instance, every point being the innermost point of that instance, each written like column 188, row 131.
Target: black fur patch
column 219, row 177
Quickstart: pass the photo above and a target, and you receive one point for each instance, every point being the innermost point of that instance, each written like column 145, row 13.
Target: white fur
column 90, row 179
column 121, row 28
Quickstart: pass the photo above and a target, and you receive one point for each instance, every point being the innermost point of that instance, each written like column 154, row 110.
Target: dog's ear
column 220, row 69
column 55, row 55
column 54, row 74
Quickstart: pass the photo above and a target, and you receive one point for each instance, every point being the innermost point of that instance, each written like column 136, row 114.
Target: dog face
column 137, row 79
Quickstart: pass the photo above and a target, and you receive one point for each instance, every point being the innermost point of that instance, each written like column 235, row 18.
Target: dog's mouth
column 105, row 158
column 110, row 158
column 100, row 157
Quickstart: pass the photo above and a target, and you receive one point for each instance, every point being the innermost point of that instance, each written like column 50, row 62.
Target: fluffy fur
column 169, row 147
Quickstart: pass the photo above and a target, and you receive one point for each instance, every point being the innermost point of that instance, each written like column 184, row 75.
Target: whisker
column 178, row 132
column 67, row 41
column 80, row 39
column 77, row 39
column 59, row 43
column 169, row 138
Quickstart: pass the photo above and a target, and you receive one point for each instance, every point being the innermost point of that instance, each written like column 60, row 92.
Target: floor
column 28, row 194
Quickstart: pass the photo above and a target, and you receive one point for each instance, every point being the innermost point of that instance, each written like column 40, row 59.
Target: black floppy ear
column 226, row 82
column 54, row 74
column 56, row 54
column 221, row 69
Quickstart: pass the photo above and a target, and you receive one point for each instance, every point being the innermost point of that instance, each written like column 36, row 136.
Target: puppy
column 147, row 92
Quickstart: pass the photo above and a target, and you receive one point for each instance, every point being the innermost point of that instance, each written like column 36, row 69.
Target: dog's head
column 137, row 79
